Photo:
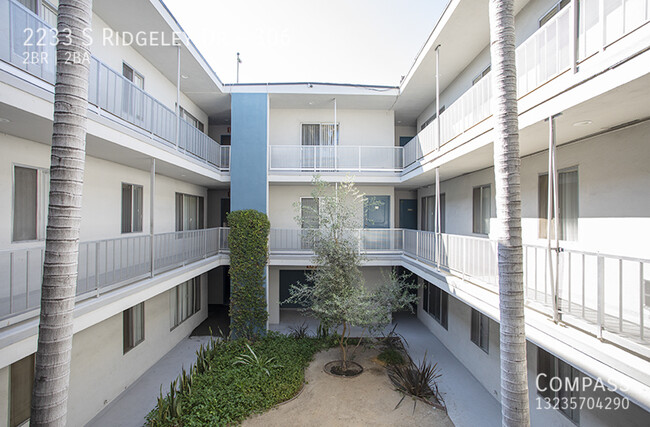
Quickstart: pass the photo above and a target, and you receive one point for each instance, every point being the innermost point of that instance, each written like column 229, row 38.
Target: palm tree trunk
column 514, row 381
column 52, row 371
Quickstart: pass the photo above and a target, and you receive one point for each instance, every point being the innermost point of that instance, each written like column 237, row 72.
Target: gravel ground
column 368, row 399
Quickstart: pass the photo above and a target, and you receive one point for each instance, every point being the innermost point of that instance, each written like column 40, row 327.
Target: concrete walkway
column 131, row 407
column 468, row 402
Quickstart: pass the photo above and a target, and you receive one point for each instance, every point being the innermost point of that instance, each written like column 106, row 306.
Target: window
column 133, row 320
column 646, row 299
column 548, row 367
column 30, row 199
column 376, row 211
column 309, row 212
column 481, row 209
column 553, row 11
column 191, row 119
column 480, row 330
column 131, row 208
column 48, row 13
column 21, row 382
column 432, row 118
column 435, row 302
column 481, row 75
column 185, row 300
column 132, row 75
column 567, row 205
column 189, row 212
column 428, row 216
column 319, row 134
column 30, row 4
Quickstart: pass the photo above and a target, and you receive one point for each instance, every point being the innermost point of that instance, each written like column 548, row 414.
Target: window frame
column 481, row 230
column 13, row 419
column 135, row 73
column 480, row 337
column 42, row 201
column 482, row 74
column 337, row 142
column 180, row 207
column 189, row 118
column 129, row 340
column 436, row 303
column 554, row 365
column 552, row 11
column 543, row 213
column 133, row 204
column 175, row 294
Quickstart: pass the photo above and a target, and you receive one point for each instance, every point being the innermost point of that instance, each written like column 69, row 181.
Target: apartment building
column 161, row 175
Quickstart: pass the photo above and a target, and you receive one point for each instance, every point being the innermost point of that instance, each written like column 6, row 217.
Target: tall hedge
column 248, row 241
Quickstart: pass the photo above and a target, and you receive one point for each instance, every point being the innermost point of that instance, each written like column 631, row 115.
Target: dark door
column 408, row 213
column 226, row 285
column 225, row 209
column 225, row 139
column 403, row 140
column 288, row 278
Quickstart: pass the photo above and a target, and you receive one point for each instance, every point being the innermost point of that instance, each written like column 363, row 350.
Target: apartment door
column 225, row 210
column 408, row 214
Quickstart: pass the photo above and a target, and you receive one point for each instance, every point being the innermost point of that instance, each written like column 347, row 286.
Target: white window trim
column 338, row 132
column 132, row 207
column 41, row 212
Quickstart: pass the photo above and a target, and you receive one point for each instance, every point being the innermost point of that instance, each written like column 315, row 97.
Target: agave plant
column 261, row 362
column 418, row 381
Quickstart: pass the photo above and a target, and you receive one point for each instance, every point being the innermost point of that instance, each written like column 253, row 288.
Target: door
column 408, row 214
column 225, row 210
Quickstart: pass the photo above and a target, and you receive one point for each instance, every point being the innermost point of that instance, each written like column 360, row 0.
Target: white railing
column 31, row 46
column 542, row 57
column 105, row 264
column 335, row 158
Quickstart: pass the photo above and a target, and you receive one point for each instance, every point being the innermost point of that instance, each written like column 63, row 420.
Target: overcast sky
column 342, row 41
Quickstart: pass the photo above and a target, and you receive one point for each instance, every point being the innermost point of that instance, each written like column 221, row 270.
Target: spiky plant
column 265, row 364
column 418, row 381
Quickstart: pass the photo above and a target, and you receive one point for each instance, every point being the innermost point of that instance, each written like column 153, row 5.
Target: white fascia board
column 307, row 88
column 189, row 45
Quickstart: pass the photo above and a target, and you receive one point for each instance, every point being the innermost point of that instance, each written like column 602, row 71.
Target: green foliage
column 391, row 356
column 225, row 392
column 248, row 242
column 417, row 381
column 299, row 332
column 262, row 362
column 336, row 294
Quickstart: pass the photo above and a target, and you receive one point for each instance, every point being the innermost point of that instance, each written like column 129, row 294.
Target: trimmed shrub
column 248, row 242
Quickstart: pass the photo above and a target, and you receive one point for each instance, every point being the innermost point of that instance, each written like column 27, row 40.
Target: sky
column 339, row 41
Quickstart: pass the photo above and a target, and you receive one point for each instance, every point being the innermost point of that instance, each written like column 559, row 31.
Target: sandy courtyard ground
column 365, row 400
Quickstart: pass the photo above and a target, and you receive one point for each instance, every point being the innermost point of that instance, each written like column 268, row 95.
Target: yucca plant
column 261, row 362
column 418, row 381
column 299, row 332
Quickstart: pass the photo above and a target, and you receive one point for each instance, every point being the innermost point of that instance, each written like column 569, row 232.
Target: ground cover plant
column 220, row 389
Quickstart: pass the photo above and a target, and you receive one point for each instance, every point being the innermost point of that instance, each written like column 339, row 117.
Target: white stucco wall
column 282, row 198
column 97, row 354
column 485, row 367
column 155, row 83
column 102, row 192
column 356, row 127
column 613, row 195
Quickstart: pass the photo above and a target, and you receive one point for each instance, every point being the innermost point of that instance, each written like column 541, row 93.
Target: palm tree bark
column 514, row 380
column 52, row 371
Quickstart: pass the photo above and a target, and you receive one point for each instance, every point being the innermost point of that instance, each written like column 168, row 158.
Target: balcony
column 606, row 295
column 108, row 90
column 544, row 56
column 105, row 265
column 335, row 158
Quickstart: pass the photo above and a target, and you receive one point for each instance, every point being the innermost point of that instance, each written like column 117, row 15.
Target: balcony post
column 575, row 31
column 152, row 192
column 552, row 215
column 601, row 296
column 336, row 138
column 178, row 95
column 603, row 26
column 641, row 301
column 437, row 221
column 437, row 98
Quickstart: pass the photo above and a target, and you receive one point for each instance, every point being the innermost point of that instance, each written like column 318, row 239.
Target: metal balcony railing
column 543, row 56
column 105, row 264
column 609, row 292
column 335, row 158
column 31, row 46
